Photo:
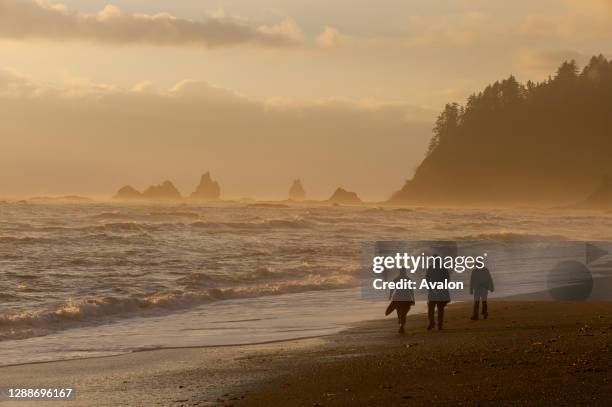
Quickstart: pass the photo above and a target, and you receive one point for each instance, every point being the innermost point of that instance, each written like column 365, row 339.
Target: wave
column 510, row 236
column 111, row 215
column 123, row 226
column 23, row 239
column 132, row 226
column 92, row 311
column 295, row 223
column 171, row 215
column 374, row 210
column 405, row 210
column 116, row 237
column 21, row 276
column 151, row 215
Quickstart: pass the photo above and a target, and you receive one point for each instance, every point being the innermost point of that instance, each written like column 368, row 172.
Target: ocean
column 97, row 279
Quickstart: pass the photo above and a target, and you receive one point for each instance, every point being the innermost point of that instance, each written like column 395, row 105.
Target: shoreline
column 228, row 322
column 233, row 345
column 360, row 358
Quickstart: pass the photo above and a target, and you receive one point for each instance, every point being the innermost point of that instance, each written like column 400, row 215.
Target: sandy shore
column 184, row 376
column 526, row 353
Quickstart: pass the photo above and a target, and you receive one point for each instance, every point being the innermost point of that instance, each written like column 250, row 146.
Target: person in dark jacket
column 401, row 300
column 481, row 283
column 437, row 298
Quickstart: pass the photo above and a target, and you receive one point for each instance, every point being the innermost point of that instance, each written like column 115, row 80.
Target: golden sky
column 94, row 95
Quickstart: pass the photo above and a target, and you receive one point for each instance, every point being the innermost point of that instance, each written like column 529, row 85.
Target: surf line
column 407, row 284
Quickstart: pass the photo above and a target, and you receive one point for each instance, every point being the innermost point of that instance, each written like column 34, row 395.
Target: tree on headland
column 446, row 125
column 547, row 141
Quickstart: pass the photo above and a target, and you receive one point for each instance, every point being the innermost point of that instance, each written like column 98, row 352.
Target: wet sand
column 183, row 376
column 526, row 353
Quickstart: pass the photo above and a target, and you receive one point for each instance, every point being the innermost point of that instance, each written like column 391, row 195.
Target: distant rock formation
column 296, row 192
column 342, row 196
column 164, row 192
column 602, row 197
column 208, row 189
column 128, row 193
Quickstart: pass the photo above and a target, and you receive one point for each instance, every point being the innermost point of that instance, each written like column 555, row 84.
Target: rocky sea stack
column 342, row 196
column 128, row 193
column 207, row 190
column 602, row 197
column 296, row 192
column 164, row 192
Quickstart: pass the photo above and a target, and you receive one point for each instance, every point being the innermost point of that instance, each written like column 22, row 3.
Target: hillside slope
column 512, row 143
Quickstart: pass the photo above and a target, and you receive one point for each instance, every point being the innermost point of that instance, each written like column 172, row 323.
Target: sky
column 97, row 94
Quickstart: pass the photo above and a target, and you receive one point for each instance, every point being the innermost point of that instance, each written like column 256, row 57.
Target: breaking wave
column 23, row 239
column 510, row 236
column 297, row 223
column 93, row 311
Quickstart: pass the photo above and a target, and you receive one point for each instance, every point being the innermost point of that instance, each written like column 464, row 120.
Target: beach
column 551, row 353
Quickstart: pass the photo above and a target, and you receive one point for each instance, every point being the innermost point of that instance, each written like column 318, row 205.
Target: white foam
column 231, row 322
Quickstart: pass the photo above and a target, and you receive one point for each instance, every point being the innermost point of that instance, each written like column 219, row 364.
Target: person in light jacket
column 481, row 283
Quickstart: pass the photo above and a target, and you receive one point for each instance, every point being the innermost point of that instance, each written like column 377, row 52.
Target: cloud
column 88, row 138
column 25, row 20
column 203, row 91
column 16, row 85
column 583, row 19
column 461, row 29
column 545, row 62
column 331, row 38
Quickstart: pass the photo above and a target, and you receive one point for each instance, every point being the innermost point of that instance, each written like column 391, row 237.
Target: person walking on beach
column 437, row 298
column 481, row 283
column 401, row 300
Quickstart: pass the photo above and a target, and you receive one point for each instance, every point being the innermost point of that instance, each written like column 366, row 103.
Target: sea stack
column 602, row 197
column 207, row 190
column 296, row 192
column 127, row 193
column 342, row 196
column 164, row 192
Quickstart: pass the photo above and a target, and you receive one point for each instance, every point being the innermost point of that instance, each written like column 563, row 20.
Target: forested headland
column 548, row 142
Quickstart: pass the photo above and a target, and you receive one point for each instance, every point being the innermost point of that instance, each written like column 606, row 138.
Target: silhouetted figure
column 481, row 283
column 437, row 297
column 401, row 300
